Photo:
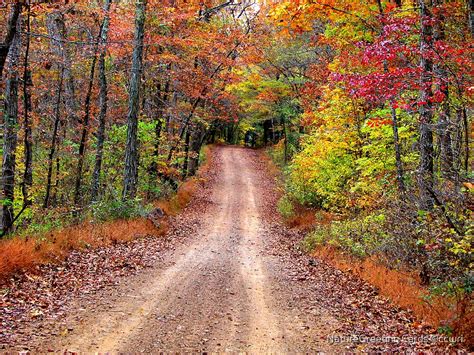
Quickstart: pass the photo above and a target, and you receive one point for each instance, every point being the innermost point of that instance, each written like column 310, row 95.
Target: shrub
column 115, row 208
column 285, row 207
column 359, row 236
column 402, row 237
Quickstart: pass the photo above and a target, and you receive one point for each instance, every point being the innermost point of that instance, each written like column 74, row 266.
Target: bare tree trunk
column 285, row 137
column 426, row 167
column 160, row 104
column 466, row 138
column 102, row 103
column 131, row 153
column 54, row 137
column 10, row 133
column 85, row 133
column 10, row 35
column 28, row 136
column 398, row 153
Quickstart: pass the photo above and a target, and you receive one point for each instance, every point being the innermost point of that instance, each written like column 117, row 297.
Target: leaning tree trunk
column 10, row 34
column 131, row 152
column 85, row 132
column 160, row 104
column 285, row 137
column 87, row 110
column 10, row 134
column 426, row 167
column 102, row 103
column 471, row 15
column 186, row 154
column 465, row 121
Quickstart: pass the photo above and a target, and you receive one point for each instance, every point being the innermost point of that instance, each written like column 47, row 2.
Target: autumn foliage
column 366, row 107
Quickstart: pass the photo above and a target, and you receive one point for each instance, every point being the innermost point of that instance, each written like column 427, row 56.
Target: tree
column 10, row 35
column 27, row 124
column 103, row 103
column 101, row 40
column 426, row 167
column 10, row 133
column 131, row 152
column 56, row 25
column 54, row 138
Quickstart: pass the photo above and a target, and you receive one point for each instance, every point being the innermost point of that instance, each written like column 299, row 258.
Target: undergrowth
column 108, row 221
column 116, row 208
column 435, row 248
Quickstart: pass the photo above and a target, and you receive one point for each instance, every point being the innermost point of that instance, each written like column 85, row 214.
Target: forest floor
column 228, row 276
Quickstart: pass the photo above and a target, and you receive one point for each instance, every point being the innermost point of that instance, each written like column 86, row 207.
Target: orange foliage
column 305, row 219
column 182, row 198
column 25, row 254
column 405, row 290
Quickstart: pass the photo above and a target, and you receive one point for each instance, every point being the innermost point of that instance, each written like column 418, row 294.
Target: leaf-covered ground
column 230, row 253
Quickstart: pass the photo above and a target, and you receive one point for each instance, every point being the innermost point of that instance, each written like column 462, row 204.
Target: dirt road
column 227, row 277
column 222, row 292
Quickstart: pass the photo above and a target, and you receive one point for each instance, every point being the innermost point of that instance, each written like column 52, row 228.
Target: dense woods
column 108, row 104
column 366, row 106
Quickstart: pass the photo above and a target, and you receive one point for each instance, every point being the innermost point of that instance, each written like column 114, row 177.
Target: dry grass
column 405, row 290
column 24, row 254
column 181, row 199
column 187, row 189
column 305, row 219
column 272, row 168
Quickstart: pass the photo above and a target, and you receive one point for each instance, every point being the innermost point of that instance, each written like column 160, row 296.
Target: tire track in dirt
column 214, row 294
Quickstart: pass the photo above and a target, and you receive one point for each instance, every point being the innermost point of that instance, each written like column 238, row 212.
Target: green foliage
column 49, row 221
column 116, row 208
column 423, row 243
column 285, row 207
column 359, row 237
column 264, row 98
column 276, row 154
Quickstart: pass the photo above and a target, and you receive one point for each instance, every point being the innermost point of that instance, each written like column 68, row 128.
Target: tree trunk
column 131, row 152
column 10, row 34
column 57, row 31
column 102, row 103
column 396, row 137
column 186, row 154
column 285, row 137
column 425, row 172
column 196, row 142
column 466, row 139
column 54, row 137
column 398, row 153
column 160, row 104
column 85, row 122
column 28, row 136
column 85, row 133
column 10, row 134
column 471, row 15
column 444, row 122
